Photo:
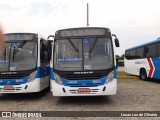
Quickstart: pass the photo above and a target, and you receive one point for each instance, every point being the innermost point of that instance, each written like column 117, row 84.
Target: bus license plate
column 8, row 88
column 83, row 90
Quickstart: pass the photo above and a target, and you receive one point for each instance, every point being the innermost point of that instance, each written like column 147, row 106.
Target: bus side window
column 127, row 54
column 140, row 53
column 133, row 54
column 44, row 52
column 151, row 50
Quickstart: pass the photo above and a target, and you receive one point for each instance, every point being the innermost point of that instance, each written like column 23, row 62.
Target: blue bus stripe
column 156, row 63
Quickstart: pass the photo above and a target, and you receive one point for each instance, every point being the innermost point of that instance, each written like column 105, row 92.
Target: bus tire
column 143, row 74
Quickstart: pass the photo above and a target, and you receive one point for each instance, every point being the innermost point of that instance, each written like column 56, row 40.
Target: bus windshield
column 18, row 56
column 83, row 54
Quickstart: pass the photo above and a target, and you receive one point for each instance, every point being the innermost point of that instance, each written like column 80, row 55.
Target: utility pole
column 87, row 14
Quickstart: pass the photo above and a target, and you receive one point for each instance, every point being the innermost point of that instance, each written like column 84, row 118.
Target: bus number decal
column 12, row 68
column 87, row 67
column 140, row 62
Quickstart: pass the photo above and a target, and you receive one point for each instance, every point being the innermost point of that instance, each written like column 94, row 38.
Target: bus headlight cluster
column 32, row 76
column 110, row 77
column 57, row 79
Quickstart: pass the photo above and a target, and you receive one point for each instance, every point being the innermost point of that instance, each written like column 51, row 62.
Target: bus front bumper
column 33, row 86
column 107, row 89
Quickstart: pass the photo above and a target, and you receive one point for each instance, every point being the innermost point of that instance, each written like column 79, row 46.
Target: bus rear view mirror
column 116, row 40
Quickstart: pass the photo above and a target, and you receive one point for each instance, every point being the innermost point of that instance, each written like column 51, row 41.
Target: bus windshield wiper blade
column 73, row 45
column 4, row 54
column 92, row 47
column 19, row 46
column 14, row 52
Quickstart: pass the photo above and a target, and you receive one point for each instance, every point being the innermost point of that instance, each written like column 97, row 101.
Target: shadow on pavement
column 89, row 100
column 153, row 80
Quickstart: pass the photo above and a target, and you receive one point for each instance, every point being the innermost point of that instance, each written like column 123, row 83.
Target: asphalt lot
column 132, row 95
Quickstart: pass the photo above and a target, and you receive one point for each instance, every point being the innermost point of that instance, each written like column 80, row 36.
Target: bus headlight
column 32, row 76
column 57, row 79
column 110, row 77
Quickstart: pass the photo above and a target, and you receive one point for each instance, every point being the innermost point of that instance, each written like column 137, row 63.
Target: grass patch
column 123, row 75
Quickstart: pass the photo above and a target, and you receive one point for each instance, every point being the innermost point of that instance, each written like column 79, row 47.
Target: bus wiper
column 14, row 53
column 19, row 46
column 73, row 45
column 92, row 47
column 4, row 54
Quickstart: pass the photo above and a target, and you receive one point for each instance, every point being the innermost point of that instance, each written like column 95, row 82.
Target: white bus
column 24, row 63
column 144, row 60
column 83, row 62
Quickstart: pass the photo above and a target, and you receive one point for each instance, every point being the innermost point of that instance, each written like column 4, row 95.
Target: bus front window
column 98, row 54
column 18, row 56
column 89, row 54
column 67, row 57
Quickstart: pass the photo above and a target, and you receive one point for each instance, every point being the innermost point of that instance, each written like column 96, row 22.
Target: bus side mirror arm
column 49, row 46
column 116, row 40
column 50, row 37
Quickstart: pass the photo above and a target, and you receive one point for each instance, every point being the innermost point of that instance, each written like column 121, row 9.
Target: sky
column 133, row 21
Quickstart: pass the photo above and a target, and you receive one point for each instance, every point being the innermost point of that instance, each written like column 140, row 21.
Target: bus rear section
column 143, row 60
column 21, row 67
column 83, row 63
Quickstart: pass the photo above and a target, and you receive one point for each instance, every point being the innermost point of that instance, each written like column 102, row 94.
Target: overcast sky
column 133, row 21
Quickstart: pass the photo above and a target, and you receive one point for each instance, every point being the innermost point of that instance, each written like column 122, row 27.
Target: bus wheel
column 143, row 74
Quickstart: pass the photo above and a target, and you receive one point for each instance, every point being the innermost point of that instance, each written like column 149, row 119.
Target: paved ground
column 120, row 68
column 133, row 95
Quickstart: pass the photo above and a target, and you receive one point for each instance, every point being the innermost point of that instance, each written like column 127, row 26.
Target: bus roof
column 19, row 33
column 157, row 40
column 20, row 36
column 83, row 31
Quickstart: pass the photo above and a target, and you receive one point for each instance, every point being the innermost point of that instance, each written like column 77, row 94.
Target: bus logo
column 87, row 67
column 6, row 114
column 72, row 82
column 83, row 72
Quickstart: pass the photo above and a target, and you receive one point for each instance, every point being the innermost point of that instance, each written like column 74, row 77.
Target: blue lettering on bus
column 4, row 61
column 140, row 62
column 69, row 59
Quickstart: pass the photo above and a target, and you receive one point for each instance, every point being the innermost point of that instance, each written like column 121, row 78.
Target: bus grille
column 91, row 92
column 12, row 76
column 84, row 77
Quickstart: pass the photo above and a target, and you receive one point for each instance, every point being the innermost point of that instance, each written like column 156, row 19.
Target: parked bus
column 144, row 60
column 24, row 63
column 83, row 62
